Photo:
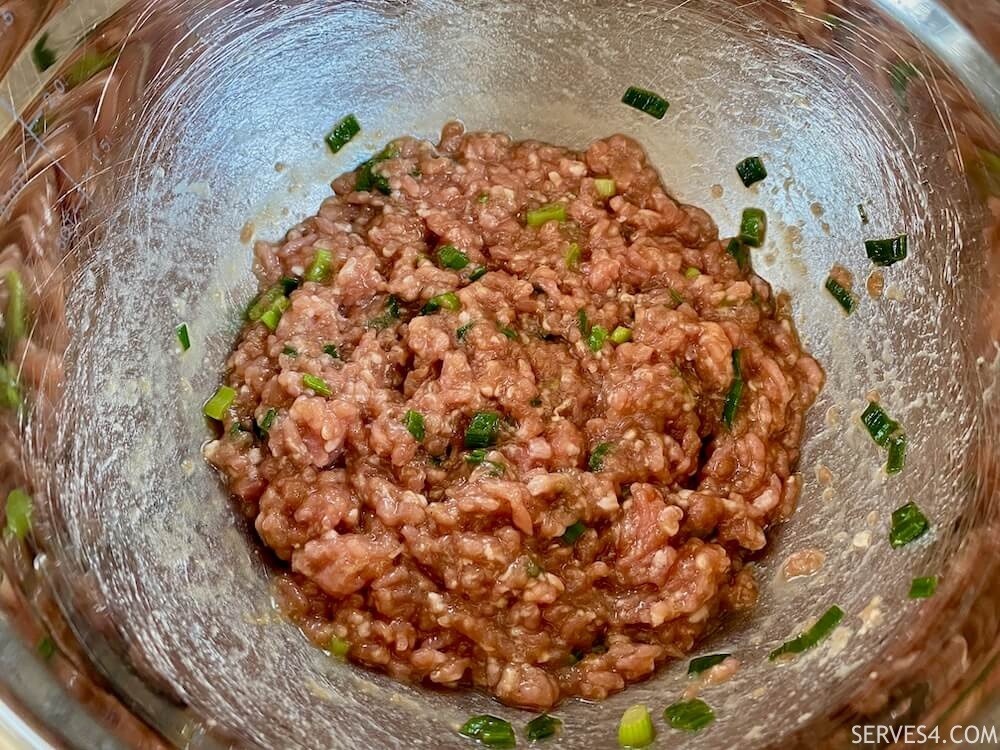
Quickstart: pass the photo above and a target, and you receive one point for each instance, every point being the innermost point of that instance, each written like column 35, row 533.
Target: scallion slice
column 332, row 350
column 732, row 403
column 273, row 315
column 342, row 133
column 317, row 385
column 573, row 532
column 338, row 647
column 215, row 407
column 18, row 513
column 489, row 730
column 477, row 274
column 753, row 226
column 16, row 314
column 621, row 334
column 888, row 251
column 751, row 170
column 923, row 588
column 810, row 638
column 483, row 199
column 605, row 187
column 265, row 302
column 462, row 331
column 390, row 316
column 739, row 252
column 320, row 266
column 267, row 420
column 646, row 101
column 450, row 256
column 840, row 293
column 448, row 301
column 46, row 648
column 543, row 214
column 702, row 663
column 542, row 727
column 183, row 337
column 10, row 393
column 43, row 57
column 878, row 423
column 572, row 256
column 482, row 430
column 689, row 716
column 897, row 453
column 635, row 728
column 583, row 322
column 414, row 422
column 366, row 176
column 532, row 568
column 597, row 339
column 290, row 351
column 908, row 525
column 691, row 273
column 508, row 332
column 597, row 456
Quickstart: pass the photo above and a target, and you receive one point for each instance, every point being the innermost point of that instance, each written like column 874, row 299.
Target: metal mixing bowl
column 162, row 131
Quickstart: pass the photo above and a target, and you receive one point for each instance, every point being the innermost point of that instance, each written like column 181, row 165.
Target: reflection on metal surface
column 146, row 147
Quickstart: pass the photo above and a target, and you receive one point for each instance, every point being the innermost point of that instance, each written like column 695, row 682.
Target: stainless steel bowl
column 162, row 132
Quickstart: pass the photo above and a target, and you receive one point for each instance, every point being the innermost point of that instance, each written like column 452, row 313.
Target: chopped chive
column 448, row 300
column 888, row 251
column 475, row 457
column 183, row 337
column 273, row 315
column 572, row 256
column 267, row 420
column 543, row 214
column 732, row 403
column 878, row 423
column 16, row 314
column 450, row 256
column 215, row 407
column 332, row 350
column 646, row 101
column 390, row 316
column 739, row 252
column 478, row 273
column 316, row 384
column 863, row 213
column 265, row 302
column 583, row 322
column 320, row 266
column 46, row 648
column 810, row 638
column 43, row 57
column 635, row 728
column 897, row 453
column 39, row 125
column 753, row 226
column 18, row 513
column 483, row 199
column 338, row 647
column 237, row 429
column 508, row 332
column 542, row 727
column 677, row 297
column 10, row 393
column 605, row 187
column 840, row 293
column 908, row 525
column 482, row 430
column 621, row 334
column 88, row 66
column 702, row 663
column 597, row 338
column 689, row 716
column 900, row 74
column 288, row 284
column 573, row 532
column 342, row 133
column 922, row 588
column 414, row 422
column 462, row 331
column 691, row 273
column 290, row 351
column 489, row 730
column 751, row 170
column 532, row 568
column 367, row 177
column 597, row 456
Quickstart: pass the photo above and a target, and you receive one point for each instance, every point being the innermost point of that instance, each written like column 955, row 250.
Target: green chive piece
column 16, row 315
column 751, row 170
column 863, row 213
column 550, row 212
column 605, row 187
column 39, row 125
column 533, row 569
column 899, row 76
column 573, row 532
column 478, row 273
column 366, row 176
column 265, row 302
column 290, row 351
column 316, row 384
column 489, row 730
column 320, row 266
column 702, row 663
column 542, row 727
column 448, row 300
column 636, row 727
column 461, row 332
column 812, row 637
column 215, row 407
column 572, row 256
column 482, row 430
column 597, row 456
column 183, row 337
column 888, row 251
column 677, row 297
column 475, row 457
column 483, row 199
column 908, row 525
column 897, row 453
column 267, row 420
column 338, row 647
column 878, row 423
column 342, row 133
column 273, row 315
column 923, row 588
column 597, row 338
column 46, row 648
column 89, row 66
column 43, row 57
column 390, row 316
column 840, row 293
column 691, row 273
column 414, row 422
column 18, row 513
column 646, row 101
column 739, row 252
column 332, row 350
column 689, row 716
column 288, row 284
column 735, row 393
column 450, row 256
column 10, row 393
column 508, row 332
column 621, row 334
column 583, row 322
column 753, row 226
